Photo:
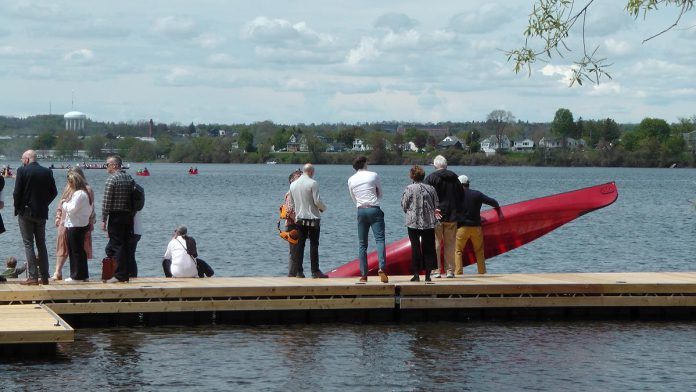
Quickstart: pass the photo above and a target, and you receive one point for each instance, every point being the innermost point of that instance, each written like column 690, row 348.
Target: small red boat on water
column 522, row 223
column 143, row 173
column 193, row 171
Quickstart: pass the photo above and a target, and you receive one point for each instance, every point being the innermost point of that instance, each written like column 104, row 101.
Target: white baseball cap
column 463, row 179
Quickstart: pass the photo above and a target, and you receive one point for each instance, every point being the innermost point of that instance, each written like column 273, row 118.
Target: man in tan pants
column 470, row 224
column 449, row 192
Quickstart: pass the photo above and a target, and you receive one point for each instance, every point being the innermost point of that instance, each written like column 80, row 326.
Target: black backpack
column 137, row 198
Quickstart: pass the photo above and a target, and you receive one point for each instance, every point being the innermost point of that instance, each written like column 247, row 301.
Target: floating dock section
column 31, row 330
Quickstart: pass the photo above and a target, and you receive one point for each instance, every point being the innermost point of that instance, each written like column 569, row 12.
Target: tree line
column 651, row 143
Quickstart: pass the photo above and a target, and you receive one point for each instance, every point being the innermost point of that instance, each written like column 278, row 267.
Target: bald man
column 34, row 191
column 304, row 200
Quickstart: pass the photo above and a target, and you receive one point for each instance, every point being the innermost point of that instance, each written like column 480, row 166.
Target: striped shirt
column 117, row 194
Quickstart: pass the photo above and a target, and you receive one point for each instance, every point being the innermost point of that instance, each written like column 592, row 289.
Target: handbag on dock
column 108, row 268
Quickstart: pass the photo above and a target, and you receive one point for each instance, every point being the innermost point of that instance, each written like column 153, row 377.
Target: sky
column 329, row 61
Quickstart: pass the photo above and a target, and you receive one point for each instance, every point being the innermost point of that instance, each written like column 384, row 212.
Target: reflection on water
column 546, row 356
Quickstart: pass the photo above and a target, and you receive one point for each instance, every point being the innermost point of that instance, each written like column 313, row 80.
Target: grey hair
column 440, row 162
column 181, row 230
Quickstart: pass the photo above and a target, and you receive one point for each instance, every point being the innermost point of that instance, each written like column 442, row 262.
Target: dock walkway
column 264, row 294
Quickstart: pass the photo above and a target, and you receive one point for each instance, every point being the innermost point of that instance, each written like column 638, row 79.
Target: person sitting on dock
column 469, row 224
column 12, row 271
column 181, row 258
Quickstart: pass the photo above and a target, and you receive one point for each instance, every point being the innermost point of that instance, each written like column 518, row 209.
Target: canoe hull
column 522, row 223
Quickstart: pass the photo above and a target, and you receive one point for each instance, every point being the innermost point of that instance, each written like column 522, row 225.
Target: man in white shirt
column 366, row 191
column 304, row 200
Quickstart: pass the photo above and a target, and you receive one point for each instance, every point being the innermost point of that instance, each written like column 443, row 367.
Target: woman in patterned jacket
column 419, row 202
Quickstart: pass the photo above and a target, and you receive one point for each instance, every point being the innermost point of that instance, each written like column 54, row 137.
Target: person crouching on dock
column 469, row 224
column 181, row 258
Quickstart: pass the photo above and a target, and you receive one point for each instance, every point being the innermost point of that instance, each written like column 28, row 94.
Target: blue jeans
column 371, row 217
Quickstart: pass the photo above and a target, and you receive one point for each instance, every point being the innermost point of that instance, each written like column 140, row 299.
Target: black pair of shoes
column 427, row 278
column 300, row 275
column 415, row 278
column 318, row 275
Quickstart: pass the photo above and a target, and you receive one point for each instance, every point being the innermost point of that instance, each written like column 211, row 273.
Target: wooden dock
column 32, row 316
column 281, row 299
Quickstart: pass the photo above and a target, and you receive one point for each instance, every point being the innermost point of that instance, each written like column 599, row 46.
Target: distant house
column 551, row 143
column 491, row 144
column 523, row 145
column 293, row 144
column 451, row 142
column 360, row 145
column 297, row 143
column 410, row 146
column 336, row 147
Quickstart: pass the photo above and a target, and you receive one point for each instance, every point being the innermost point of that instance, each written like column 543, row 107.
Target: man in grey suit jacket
column 34, row 191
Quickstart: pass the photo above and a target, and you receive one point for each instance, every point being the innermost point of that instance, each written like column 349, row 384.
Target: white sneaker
column 435, row 275
column 115, row 280
column 68, row 280
column 450, row 274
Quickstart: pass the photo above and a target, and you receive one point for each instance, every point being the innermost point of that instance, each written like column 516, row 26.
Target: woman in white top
column 78, row 210
column 177, row 261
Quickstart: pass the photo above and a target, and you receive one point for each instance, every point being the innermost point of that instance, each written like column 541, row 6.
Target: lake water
column 231, row 210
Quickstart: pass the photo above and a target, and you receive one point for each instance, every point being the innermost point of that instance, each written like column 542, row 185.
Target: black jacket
column 471, row 202
column 34, row 190
column 449, row 191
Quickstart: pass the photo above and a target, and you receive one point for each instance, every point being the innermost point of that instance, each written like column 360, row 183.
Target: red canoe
column 522, row 223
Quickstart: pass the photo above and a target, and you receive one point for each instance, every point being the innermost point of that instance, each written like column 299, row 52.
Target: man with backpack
column 118, row 208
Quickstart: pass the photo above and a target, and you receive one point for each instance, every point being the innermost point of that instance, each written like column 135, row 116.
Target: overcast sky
column 327, row 61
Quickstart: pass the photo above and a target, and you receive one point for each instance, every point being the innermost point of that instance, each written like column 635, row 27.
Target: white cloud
column 617, row 47
column 221, row 60
column 14, row 52
column 172, row 27
column 404, row 39
column 79, row 56
column 280, row 32
column 209, row 40
column 396, row 22
column 36, row 10
column 179, row 76
column 429, row 99
column 483, row 19
column 606, row 88
column 366, row 51
column 565, row 71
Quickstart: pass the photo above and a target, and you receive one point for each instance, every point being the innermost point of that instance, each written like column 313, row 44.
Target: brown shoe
column 383, row 276
column 363, row 279
column 30, row 282
column 44, row 282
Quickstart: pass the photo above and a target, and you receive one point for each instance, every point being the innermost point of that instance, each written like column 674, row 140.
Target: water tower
column 75, row 121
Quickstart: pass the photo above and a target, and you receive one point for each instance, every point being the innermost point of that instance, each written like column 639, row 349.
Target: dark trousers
column 292, row 267
column 120, row 231
column 133, row 271
column 33, row 231
column 76, row 251
column 311, row 232
column 423, row 256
